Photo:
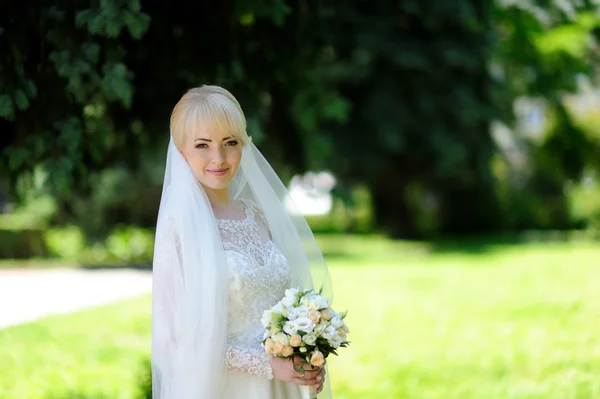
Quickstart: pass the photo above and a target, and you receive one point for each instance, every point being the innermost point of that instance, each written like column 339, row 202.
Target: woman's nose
column 218, row 155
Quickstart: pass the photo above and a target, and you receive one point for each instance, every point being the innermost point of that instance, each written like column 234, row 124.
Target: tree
column 542, row 47
column 62, row 80
column 399, row 95
column 415, row 74
column 95, row 91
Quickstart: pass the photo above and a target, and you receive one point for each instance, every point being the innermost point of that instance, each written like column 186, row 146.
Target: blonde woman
column 227, row 247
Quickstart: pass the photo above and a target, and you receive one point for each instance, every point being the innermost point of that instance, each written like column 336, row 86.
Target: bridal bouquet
column 303, row 324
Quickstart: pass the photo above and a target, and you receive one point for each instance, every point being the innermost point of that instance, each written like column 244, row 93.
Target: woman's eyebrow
column 210, row 141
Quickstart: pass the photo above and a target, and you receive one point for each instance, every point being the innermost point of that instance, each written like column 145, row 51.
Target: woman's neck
column 218, row 198
column 222, row 205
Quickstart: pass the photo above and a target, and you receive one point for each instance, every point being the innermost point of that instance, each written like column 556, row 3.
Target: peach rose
column 275, row 329
column 314, row 316
column 269, row 346
column 287, row 351
column 317, row 359
column 277, row 347
column 295, row 340
column 326, row 314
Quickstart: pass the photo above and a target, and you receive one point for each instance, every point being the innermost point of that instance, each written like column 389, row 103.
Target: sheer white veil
column 189, row 302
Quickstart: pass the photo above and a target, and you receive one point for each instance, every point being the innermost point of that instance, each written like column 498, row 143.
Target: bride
column 228, row 244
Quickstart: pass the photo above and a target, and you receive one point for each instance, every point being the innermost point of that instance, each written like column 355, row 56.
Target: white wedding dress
column 258, row 277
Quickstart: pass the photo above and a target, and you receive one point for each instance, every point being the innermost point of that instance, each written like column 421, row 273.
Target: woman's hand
column 283, row 369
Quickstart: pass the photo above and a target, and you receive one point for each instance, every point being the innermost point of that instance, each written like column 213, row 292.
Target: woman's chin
column 217, row 184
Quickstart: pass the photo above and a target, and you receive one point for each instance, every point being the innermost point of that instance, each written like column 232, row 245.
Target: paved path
column 28, row 295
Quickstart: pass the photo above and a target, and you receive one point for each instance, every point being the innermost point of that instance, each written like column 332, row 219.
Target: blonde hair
column 207, row 105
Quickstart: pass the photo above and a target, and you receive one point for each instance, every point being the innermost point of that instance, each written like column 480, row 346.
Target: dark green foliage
column 23, row 244
column 415, row 76
column 540, row 51
column 395, row 95
column 63, row 80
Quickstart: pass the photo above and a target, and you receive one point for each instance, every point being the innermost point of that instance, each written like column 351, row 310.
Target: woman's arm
column 249, row 360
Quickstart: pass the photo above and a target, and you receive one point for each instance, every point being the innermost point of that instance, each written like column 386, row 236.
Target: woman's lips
column 218, row 172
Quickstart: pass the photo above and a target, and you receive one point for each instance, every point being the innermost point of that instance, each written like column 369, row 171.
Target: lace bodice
column 258, row 276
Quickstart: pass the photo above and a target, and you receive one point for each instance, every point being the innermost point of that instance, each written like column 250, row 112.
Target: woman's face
column 213, row 157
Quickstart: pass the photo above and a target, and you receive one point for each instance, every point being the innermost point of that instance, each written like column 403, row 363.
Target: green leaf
column 7, row 110
column 247, row 19
column 30, row 89
column 21, row 100
column 91, row 51
column 134, row 5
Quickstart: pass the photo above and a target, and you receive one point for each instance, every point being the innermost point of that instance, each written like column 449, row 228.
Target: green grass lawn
column 444, row 321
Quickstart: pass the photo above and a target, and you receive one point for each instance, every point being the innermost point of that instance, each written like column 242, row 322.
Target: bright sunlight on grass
column 503, row 321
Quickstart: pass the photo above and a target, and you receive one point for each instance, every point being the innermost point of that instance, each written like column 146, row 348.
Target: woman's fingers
column 313, row 376
column 321, row 381
column 320, row 388
column 316, row 381
column 300, row 381
column 299, row 362
column 309, row 375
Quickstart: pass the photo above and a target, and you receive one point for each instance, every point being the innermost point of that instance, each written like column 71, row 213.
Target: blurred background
column 445, row 153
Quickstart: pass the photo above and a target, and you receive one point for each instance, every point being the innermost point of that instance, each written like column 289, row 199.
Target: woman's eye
column 202, row 145
column 232, row 142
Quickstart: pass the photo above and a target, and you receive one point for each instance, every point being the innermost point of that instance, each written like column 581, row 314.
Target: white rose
column 310, row 339
column 288, row 302
column 282, row 338
column 267, row 334
column 304, row 324
column 335, row 341
column 266, row 318
column 321, row 327
column 291, row 293
column 324, row 303
column 277, row 308
column 291, row 313
column 306, row 300
column 290, row 328
column 318, row 302
column 337, row 322
column 300, row 311
column 329, row 332
column 313, row 303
